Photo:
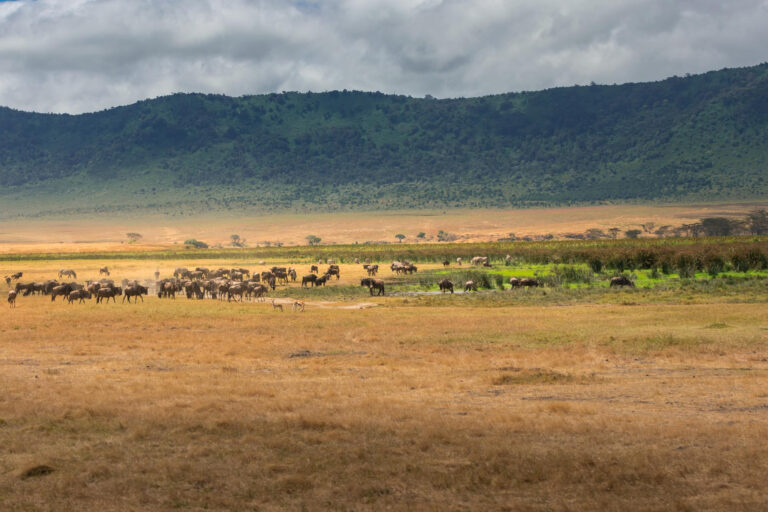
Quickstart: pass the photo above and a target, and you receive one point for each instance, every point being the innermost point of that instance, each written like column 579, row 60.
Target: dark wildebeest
column 8, row 281
column 67, row 272
column 78, row 294
column 17, row 275
column 320, row 281
column 334, row 270
column 179, row 272
column 108, row 293
column 621, row 281
column 371, row 269
column 12, row 298
column 136, row 291
column 446, row 263
column 292, row 274
column 314, row 269
column 445, row 285
column 470, row 286
column 527, row 282
column 168, row 290
column 26, row 287
column 104, row 270
column 235, row 289
column 257, row 290
column 204, row 270
column 192, row 289
column 373, row 284
column 63, row 289
column 309, row 278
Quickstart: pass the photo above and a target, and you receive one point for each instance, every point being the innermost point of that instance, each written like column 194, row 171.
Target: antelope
column 278, row 307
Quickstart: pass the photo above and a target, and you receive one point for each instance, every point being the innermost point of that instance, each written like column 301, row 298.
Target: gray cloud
column 84, row 55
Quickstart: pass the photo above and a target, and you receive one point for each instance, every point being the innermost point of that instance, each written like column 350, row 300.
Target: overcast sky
column 85, row 55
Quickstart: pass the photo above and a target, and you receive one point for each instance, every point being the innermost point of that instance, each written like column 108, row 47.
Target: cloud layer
column 85, row 55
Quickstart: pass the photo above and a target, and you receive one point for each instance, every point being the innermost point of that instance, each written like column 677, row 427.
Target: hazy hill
column 697, row 137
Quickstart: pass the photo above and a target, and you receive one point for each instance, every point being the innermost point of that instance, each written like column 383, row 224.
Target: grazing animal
column 235, row 290
column 446, row 263
column 621, row 281
column 108, row 293
column 168, row 290
column 12, row 298
column 8, row 281
column 373, row 284
column 314, row 269
column 309, row 278
column 334, row 270
column 320, row 281
column 292, row 273
column 278, row 307
column 136, row 291
column 17, row 275
column 78, row 295
column 371, row 269
column 67, row 272
column 104, row 270
column 63, row 289
column 445, row 285
column 470, row 286
column 458, row 261
column 258, row 291
column 525, row 282
column 298, row 306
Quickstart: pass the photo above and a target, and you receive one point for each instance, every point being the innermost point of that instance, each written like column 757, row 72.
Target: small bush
column 596, row 264
column 686, row 266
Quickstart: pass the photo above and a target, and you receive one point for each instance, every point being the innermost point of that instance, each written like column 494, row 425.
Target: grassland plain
column 556, row 399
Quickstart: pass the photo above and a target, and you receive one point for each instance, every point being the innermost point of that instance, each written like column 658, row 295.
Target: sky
column 86, row 55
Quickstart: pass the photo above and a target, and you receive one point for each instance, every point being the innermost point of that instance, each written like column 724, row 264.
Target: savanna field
column 568, row 396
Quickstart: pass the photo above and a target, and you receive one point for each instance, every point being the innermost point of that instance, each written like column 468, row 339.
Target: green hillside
column 701, row 137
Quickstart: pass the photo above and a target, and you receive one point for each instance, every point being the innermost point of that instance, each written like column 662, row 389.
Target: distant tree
column 133, row 237
column 421, row 234
column 648, row 226
column 718, row 226
column 237, row 241
column 614, row 232
column 757, row 222
column 313, row 240
column 594, row 234
column 632, row 233
column 663, row 231
column 197, row 244
column 443, row 236
column 400, row 237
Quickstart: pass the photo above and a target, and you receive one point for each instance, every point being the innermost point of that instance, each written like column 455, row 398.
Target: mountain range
column 692, row 138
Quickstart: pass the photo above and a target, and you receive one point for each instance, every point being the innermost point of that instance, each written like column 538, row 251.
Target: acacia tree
column 400, row 237
column 133, row 237
column 313, row 240
column 237, row 241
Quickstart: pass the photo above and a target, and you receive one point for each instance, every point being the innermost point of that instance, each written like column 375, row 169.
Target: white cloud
column 84, row 55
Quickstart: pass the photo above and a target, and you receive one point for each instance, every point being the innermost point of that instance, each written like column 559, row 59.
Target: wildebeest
column 446, row 285
column 334, row 270
column 527, row 282
column 104, row 270
column 8, row 280
column 371, row 269
column 236, row 289
column 67, row 272
column 63, row 289
column 12, row 298
column 80, row 295
column 446, row 263
column 373, row 284
column 167, row 289
column 621, row 281
column 309, row 278
column 180, row 272
column 470, row 286
column 108, row 293
column 320, row 281
column 314, row 269
column 136, row 291
column 257, row 290
column 292, row 273
column 17, row 275
column 27, row 288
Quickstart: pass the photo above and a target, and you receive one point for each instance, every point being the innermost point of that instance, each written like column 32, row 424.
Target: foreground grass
column 192, row 405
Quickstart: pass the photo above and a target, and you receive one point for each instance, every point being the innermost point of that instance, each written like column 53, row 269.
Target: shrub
column 686, row 266
column 596, row 264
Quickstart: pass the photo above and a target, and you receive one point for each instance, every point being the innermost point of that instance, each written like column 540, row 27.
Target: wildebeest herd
column 232, row 284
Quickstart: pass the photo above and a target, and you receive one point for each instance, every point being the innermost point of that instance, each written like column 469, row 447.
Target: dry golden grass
column 201, row 405
column 104, row 232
